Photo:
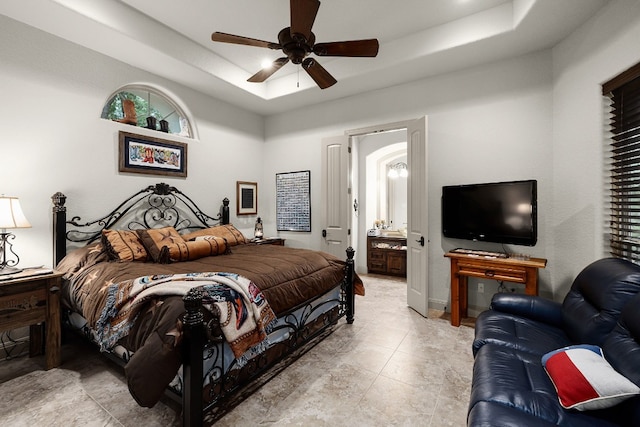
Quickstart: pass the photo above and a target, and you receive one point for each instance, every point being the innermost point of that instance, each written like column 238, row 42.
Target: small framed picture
column 150, row 155
column 247, row 198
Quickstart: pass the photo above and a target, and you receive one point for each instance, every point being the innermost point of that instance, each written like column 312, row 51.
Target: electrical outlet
column 480, row 287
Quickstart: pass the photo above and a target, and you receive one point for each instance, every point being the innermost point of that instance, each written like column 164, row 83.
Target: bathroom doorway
column 383, row 180
column 417, row 201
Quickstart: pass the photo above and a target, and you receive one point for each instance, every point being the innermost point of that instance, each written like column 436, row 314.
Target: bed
column 188, row 305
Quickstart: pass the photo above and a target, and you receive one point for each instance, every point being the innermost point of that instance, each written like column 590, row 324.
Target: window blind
column 624, row 160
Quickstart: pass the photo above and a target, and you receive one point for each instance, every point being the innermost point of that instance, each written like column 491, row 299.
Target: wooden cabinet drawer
column 508, row 273
column 22, row 308
column 377, row 265
column 24, row 300
column 397, row 264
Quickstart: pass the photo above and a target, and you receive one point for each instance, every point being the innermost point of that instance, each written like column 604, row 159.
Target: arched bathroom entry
column 382, row 198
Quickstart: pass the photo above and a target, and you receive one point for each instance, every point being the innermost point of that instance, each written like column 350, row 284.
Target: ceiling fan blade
column 265, row 73
column 303, row 14
column 319, row 75
column 368, row 48
column 230, row 38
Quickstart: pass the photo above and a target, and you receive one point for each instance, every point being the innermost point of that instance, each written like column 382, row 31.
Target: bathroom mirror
column 396, row 200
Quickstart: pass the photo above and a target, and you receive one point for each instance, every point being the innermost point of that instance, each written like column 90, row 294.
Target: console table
column 515, row 270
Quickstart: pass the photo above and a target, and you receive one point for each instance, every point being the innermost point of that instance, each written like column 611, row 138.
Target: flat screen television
column 502, row 212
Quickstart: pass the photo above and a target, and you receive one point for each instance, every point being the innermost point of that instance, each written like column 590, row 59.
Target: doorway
column 383, row 200
column 415, row 133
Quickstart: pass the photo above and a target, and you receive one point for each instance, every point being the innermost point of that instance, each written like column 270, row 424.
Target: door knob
column 421, row 241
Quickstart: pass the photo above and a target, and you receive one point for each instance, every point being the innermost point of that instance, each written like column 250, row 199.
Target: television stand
column 465, row 265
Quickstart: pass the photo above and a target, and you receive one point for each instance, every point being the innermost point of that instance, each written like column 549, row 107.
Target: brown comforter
column 287, row 277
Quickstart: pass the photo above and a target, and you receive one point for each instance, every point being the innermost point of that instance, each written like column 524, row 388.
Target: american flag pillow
column 584, row 379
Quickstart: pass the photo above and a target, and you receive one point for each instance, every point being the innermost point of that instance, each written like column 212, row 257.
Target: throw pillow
column 232, row 235
column 188, row 251
column 154, row 239
column 124, row 245
column 584, row 379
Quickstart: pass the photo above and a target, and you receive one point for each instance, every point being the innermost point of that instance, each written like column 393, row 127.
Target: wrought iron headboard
column 159, row 205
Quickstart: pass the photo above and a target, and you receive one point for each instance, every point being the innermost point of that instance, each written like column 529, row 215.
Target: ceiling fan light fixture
column 266, row 63
column 297, row 42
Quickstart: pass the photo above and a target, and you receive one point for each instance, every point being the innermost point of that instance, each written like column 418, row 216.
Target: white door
column 336, row 195
column 417, row 216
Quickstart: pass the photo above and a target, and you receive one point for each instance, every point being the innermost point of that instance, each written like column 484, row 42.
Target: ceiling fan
column 297, row 42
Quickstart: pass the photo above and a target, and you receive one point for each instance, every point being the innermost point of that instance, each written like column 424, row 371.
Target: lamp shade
column 11, row 215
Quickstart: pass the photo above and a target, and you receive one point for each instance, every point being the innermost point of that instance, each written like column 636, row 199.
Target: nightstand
column 29, row 301
column 270, row 241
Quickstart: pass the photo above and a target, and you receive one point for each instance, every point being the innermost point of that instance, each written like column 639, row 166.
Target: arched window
column 147, row 107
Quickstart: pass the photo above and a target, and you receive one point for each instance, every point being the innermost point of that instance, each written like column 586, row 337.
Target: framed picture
column 247, row 198
column 150, row 155
column 293, row 201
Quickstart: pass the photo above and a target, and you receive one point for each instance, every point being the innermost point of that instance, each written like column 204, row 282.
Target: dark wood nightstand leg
column 54, row 335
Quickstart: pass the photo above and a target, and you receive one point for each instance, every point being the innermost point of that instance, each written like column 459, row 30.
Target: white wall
column 596, row 52
column 491, row 122
column 53, row 139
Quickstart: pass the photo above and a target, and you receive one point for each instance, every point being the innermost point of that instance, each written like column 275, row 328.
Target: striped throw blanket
column 245, row 316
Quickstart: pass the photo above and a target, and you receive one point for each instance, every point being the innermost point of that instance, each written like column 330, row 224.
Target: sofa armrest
column 529, row 306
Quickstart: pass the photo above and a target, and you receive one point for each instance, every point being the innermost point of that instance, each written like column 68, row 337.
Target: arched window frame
column 150, row 102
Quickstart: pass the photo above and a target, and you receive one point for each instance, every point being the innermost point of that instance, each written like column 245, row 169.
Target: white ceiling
column 418, row 38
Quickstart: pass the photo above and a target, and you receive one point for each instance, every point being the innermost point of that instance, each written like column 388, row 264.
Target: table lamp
column 258, row 231
column 11, row 216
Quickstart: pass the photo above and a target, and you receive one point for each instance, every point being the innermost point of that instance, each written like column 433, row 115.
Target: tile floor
column 391, row 367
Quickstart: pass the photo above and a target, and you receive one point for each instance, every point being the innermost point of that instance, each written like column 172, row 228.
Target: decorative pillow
column 124, row 245
column 228, row 232
column 584, row 380
column 188, row 251
column 154, row 239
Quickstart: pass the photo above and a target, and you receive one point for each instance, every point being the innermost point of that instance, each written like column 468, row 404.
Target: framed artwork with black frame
column 246, row 198
column 293, row 201
column 150, row 155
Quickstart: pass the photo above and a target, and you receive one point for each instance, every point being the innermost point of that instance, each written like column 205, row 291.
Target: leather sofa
column 510, row 385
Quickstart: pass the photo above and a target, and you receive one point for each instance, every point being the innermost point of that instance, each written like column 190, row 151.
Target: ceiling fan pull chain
column 298, row 83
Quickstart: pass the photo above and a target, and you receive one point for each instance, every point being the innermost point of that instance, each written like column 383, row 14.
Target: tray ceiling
column 418, row 39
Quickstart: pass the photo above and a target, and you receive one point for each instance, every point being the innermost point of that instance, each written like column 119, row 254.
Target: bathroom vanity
column 387, row 254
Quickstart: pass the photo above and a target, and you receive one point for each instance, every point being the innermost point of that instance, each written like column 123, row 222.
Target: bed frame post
column 350, row 300
column 192, row 345
column 59, row 227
